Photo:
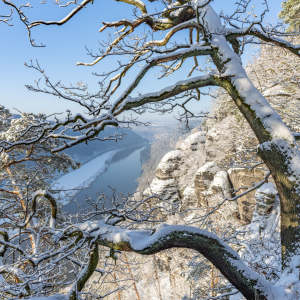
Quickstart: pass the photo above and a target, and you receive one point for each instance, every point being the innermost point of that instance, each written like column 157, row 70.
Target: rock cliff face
column 186, row 179
column 241, row 177
column 192, row 179
column 164, row 139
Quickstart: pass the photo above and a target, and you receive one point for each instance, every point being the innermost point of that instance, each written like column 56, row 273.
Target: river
column 124, row 169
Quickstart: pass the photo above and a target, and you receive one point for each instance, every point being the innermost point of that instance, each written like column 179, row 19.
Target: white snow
column 169, row 162
column 210, row 166
column 159, row 186
column 192, row 141
column 275, row 91
column 171, row 156
column 267, row 188
column 83, row 177
column 189, row 192
column 155, row 94
column 220, row 180
column 270, row 119
column 140, row 240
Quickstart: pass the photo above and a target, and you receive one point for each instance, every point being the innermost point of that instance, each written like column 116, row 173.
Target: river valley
column 122, row 172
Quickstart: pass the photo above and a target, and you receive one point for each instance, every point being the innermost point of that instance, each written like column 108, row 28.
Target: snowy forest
column 215, row 212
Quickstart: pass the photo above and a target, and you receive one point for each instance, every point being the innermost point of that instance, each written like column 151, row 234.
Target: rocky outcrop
column 193, row 142
column 189, row 199
column 174, row 169
column 243, row 177
column 177, row 168
column 165, row 184
column 212, row 186
column 184, row 179
column 203, row 180
column 169, row 163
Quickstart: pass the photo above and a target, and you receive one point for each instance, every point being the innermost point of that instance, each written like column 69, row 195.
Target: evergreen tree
column 291, row 13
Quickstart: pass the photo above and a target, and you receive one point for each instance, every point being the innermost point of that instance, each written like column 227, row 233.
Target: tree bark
column 228, row 262
column 278, row 148
column 85, row 273
column 279, row 156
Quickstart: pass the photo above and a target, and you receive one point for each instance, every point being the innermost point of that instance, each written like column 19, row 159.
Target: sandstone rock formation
column 203, row 180
column 193, row 142
column 184, row 179
column 192, row 179
column 243, row 177
column 169, row 163
column 173, row 169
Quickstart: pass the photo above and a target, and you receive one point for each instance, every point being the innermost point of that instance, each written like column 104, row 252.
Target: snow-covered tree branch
column 221, row 45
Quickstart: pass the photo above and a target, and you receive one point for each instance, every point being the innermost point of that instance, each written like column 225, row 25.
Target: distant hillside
column 84, row 152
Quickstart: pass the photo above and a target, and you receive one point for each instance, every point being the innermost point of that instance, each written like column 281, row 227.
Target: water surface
column 124, row 169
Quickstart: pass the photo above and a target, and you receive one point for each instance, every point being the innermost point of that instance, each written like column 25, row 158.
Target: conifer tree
column 291, row 13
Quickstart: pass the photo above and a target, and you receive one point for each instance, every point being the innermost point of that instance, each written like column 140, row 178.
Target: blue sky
column 65, row 45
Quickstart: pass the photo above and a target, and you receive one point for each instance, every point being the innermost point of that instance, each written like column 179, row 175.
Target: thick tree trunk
column 280, row 157
column 278, row 148
column 288, row 190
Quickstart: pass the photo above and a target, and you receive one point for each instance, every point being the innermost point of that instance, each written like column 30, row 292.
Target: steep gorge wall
column 193, row 176
column 164, row 140
column 186, row 178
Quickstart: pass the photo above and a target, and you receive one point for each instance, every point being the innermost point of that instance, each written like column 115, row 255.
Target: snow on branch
column 177, row 236
column 263, row 35
column 65, row 19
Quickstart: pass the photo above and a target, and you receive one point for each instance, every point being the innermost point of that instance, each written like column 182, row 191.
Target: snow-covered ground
column 73, row 182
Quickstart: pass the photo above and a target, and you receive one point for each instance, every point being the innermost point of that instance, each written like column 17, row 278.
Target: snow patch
column 210, row 167
column 168, row 164
column 83, row 177
column 159, row 186
column 192, row 141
